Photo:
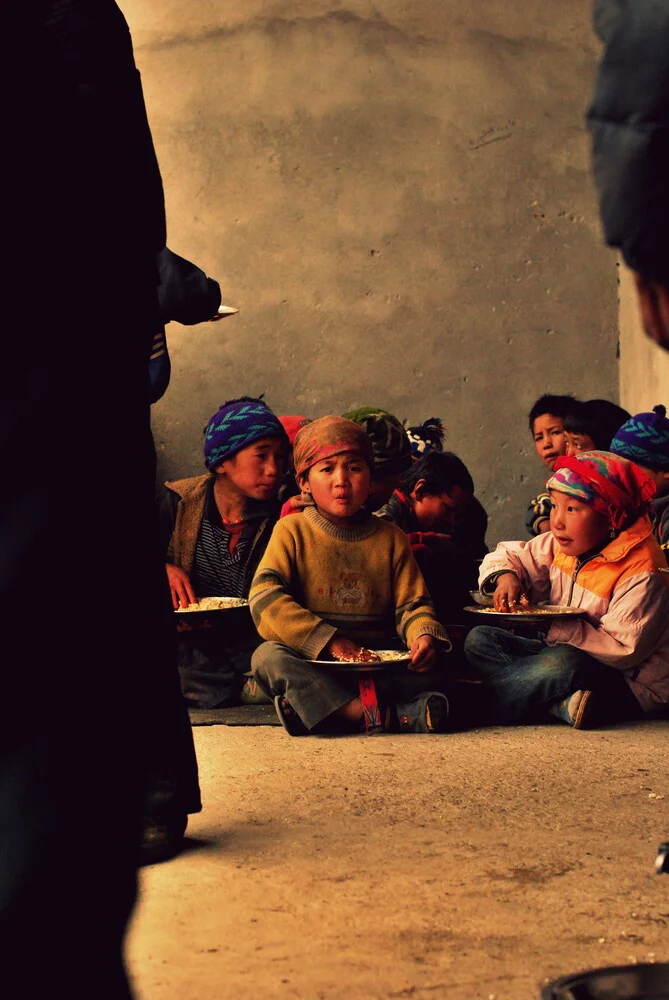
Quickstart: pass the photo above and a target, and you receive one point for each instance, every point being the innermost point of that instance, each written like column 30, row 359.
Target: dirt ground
column 475, row 865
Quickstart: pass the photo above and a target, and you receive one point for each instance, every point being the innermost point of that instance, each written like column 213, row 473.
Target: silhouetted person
column 83, row 221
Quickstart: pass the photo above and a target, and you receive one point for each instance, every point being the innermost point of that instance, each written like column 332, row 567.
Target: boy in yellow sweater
column 332, row 585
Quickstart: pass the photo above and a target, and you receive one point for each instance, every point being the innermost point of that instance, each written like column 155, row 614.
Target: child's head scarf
column 236, row 425
column 610, row 484
column 292, row 425
column 327, row 437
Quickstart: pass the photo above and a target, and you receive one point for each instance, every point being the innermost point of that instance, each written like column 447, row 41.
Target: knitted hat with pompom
column 644, row 439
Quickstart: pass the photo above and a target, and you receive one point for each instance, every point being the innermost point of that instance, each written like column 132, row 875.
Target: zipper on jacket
column 580, row 563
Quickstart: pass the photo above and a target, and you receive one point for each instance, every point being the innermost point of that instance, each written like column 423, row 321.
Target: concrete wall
column 396, row 196
column 644, row 368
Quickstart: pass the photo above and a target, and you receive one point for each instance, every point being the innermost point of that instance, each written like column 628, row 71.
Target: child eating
column 333, row 582
column 446, row 526
column 215, row 528
column 600, row 555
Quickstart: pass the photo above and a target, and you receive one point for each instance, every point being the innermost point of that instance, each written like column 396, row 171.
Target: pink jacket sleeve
column 530, row 561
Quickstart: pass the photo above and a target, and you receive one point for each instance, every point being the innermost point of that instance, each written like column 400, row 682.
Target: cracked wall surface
column 396, row 197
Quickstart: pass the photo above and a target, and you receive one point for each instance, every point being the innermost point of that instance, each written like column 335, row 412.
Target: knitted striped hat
column 237, row 424
column 644, row 439
column 428, row 436
column 612, row 485
column 327, row 437
column 392, row 448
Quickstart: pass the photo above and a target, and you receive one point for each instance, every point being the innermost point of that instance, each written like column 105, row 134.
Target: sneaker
column 575, row 710
column 428, row 713
column 252, row 693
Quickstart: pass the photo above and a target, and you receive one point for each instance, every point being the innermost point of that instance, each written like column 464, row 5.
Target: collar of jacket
column 617, row 549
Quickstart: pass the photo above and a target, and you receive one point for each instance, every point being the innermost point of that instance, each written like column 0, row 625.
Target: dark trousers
column 525, row 677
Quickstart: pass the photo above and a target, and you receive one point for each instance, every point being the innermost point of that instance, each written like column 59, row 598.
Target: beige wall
column 644, row 367
column 396, row 196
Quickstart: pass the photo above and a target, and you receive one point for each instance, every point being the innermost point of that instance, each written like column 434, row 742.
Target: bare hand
column 509, row 594
column 341, row 648
column 181, row 588
column 422, row 654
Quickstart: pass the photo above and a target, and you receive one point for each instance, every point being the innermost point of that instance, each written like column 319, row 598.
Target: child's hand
column 180, row 587
column 422, row 654
column 509, row 594
column 341, row 648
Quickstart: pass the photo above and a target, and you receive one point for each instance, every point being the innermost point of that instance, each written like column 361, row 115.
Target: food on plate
column 216, row 604
column 375, row 656
column 528, row 609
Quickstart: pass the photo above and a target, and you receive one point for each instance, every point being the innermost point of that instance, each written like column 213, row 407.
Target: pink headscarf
column 326, row 437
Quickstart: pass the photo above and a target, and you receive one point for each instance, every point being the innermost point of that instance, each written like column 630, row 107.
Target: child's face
column 576, row 527
column 256, row 470
column 439, row 511
column 339, row 485
column 576, row 443
column 549, row 438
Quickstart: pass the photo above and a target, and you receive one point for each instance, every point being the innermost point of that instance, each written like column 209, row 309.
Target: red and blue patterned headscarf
column 236, row 425
column 609, row 483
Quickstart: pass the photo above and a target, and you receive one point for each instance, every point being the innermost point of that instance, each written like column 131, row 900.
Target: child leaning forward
column 600, row 555
column 333, row 582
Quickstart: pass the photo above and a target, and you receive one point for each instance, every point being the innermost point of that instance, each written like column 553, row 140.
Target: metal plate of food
column 389, row 658
column 213, row 607
column 533, row 613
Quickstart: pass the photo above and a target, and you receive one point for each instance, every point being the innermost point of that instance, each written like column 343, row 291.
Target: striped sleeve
column 414, row 612
column 276, row 613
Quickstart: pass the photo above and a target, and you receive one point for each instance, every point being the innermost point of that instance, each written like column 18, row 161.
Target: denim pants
column 524, row 677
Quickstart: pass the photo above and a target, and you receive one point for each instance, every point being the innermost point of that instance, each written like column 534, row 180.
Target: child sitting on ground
column 546, row 420
column 600, row 556
column 392, row 457
column 644, row 439
column 591, row 426
column 333, row 581
column 446, row 525
column 215, row 528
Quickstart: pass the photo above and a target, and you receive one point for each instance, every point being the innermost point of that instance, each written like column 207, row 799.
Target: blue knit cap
column 644, row 439
column 237, row 424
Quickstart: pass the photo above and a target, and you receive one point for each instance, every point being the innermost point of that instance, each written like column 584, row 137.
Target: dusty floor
column 475, row 865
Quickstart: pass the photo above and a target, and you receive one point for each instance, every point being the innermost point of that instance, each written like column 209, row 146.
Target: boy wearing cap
column 333, row 582
column 215, row 528
column 644, row 440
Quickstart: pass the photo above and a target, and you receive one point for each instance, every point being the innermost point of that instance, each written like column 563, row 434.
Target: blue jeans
column 524, row 677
